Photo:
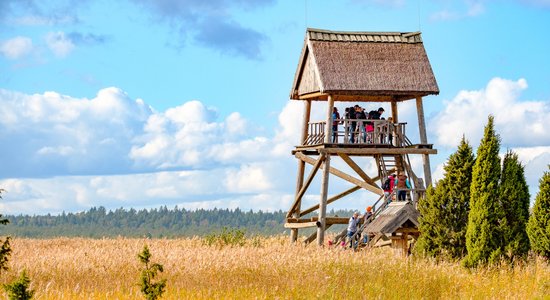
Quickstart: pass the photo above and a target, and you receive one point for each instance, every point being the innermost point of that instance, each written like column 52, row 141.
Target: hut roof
column 363, row 66
column 395, row 216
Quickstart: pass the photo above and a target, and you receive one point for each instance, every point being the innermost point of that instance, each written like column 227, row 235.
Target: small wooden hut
column 397, row 222
column 381, row 67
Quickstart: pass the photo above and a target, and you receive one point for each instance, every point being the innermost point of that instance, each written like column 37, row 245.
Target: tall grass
column 269, row 268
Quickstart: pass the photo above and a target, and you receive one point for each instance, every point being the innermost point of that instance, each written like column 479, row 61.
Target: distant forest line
column 98, row 222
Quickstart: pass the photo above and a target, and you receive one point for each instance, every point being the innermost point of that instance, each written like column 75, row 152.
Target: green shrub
column 19, row 289
column 227, row 237
column 150, row 289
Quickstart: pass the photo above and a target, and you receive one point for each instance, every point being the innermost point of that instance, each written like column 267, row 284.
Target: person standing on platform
column 352, row 227
column 335, row 122
column 402, row 183
column 353, row 124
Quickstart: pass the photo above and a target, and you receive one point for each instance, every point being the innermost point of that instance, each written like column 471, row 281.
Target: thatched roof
column 396, row 215
column 363, row 66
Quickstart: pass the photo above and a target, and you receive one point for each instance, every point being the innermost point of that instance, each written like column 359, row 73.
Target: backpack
column 386, row 186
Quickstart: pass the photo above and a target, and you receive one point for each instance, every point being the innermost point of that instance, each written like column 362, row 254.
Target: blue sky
column 138, row 103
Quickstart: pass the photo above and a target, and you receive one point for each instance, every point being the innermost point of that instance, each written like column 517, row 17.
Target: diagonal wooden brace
column 302, row 191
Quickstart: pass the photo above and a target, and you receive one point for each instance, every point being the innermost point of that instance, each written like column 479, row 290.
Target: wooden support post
column 423, row 140
column 323, row 203
column 394, row 114
column 301, row 168
column 325, row 178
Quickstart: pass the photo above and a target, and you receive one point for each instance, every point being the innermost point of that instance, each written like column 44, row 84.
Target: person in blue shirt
column 401, row 184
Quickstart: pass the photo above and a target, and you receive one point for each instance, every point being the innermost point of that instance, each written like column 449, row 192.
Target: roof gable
column 371, row 65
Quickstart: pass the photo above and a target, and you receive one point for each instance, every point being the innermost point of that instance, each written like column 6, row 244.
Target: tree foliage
column 5, row 247
column 483, row 235
column 19, row 289
column 514, row 198
column 98, row 222
column 538, row 227
column 150, row 288
column 444, row 210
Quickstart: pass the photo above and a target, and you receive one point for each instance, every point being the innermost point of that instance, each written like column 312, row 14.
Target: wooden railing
column 360, row 131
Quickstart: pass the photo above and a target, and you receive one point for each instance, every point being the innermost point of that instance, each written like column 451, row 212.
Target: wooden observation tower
column 357, row 67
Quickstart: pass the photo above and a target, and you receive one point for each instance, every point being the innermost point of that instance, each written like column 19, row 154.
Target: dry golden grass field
column 270, row 268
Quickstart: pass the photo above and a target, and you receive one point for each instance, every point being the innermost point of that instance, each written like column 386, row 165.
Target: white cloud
column 248, row 179
column 16, row 47
column 518, row 122
column 458, row 10
column 64, row 153
column 67, row 147
column 59, row 43
column 51, row 134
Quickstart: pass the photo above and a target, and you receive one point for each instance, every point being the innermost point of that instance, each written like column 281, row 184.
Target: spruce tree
column 19, row 289
column 483, row 237
column 538, row 227
column 151, row 289
column 514, row 198
column 444, row 210
column 5, row 247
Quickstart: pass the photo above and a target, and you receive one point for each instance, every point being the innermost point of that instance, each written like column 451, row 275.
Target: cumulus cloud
column 519, row 122
column 16, row 47
column 54, row 135
column 65, row 153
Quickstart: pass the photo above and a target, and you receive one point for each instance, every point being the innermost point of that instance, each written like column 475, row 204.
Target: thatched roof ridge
column 363, row 66
column 364, row 36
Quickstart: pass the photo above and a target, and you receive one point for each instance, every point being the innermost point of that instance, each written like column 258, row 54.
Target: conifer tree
column 483, row 237
column 19, row 289
column 150, row 289
column 444, row 210
column 514, row 198
column 5, row 247
column 538, row 227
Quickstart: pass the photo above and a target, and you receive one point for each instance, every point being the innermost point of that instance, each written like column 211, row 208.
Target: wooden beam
column 301, row 168
column 313, row 96
column 342, row 175
column 325, row 179
column 372, row 151
column 313, row 236
column 333, row 220
column 357, row 169
column 407, row 230
column 300, row 225
column 423, row 140
column 300, row 193
column 297, row 220
column 332, row 199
